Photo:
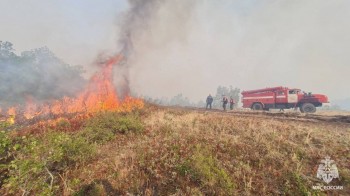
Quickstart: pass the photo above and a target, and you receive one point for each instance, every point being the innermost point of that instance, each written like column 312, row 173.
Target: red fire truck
column 282, row 98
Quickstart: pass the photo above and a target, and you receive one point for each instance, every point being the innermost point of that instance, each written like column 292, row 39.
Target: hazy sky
column 74, row 30
column 194, row 46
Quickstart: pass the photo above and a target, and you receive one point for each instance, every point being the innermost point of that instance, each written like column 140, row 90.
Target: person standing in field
column 209, row 101
column 224, row 102
column 232, row 102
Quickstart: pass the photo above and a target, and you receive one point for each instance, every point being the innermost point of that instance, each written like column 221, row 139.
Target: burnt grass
column 172, row 151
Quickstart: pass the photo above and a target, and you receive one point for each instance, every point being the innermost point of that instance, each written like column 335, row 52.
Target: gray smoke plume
column 137, row 24
column 134, row 22
column 191, row 47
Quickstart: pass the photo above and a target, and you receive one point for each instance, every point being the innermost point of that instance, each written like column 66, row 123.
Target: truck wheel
column 301, row 109
column 257, row 106
column 308, row 108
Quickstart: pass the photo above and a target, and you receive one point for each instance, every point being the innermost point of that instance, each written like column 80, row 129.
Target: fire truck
column 282, row 98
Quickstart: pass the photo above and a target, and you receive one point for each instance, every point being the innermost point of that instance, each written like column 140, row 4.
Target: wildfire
column 100, row 95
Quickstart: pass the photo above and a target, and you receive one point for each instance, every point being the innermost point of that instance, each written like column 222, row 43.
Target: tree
column 225, row 91
column 180, row 100
column 6, row 50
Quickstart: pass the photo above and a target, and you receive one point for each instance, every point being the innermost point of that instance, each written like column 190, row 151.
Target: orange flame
column 11, row 111
column 99, row 95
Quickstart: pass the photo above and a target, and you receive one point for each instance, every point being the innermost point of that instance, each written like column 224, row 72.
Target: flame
column 100, row 95
column 31, row 109
column 11, row 111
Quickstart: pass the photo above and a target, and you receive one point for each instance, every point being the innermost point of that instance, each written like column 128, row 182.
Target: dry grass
column 183, row 152
column 333, row 112
column 256, row 156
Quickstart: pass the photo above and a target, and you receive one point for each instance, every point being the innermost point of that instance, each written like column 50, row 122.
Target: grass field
column 174, row 151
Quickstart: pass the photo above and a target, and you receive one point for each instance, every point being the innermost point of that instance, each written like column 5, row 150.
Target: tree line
column 41, row 76
column 35, row 75
column 181, row 100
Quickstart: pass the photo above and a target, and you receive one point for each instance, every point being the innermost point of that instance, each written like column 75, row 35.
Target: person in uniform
column 224, row 102
column 232, row 102
column 209, row 101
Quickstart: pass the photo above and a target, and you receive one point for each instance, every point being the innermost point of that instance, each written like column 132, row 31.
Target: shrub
column 5, row 155
column 65, row 150
column 296, row 185
column 5, row 143
column 98, row 136
column 38, row 162
column 4, row 125
column 63, row 125
column 103, row 127
column 206, row 169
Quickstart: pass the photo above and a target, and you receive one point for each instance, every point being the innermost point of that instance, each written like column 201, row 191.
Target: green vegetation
column 207, row 169
column 35, row 164
column 5, row 145
column 39, row 161
column 104, row 126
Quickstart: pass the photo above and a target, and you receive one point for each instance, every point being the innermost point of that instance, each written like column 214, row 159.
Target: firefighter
column 232, row 102
column 224, row 102
column 209, row 101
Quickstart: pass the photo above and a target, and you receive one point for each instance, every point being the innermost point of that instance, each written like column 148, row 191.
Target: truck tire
column 257, row 106
column 308, row 108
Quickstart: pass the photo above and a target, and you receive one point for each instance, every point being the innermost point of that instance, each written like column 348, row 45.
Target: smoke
column 194, row 46
column 135, row 19
column 137, row 27
column 36, row 75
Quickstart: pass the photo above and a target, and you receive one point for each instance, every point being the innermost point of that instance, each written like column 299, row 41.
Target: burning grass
column 99, row 95
column 174, row 151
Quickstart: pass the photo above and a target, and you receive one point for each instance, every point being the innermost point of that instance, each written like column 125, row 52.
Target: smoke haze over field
column 249, row 45
column 194, row 46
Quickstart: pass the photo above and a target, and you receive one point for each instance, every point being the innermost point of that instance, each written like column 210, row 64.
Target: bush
column 5, row 155
column 5, row 125
column 38, row 162
column 103, row 127
column 206, row 169
column 5, row 143
column 65, row 150
column 62, row 125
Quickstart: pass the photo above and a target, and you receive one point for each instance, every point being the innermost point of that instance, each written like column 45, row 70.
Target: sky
column 75, row 31
column 191, row 47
